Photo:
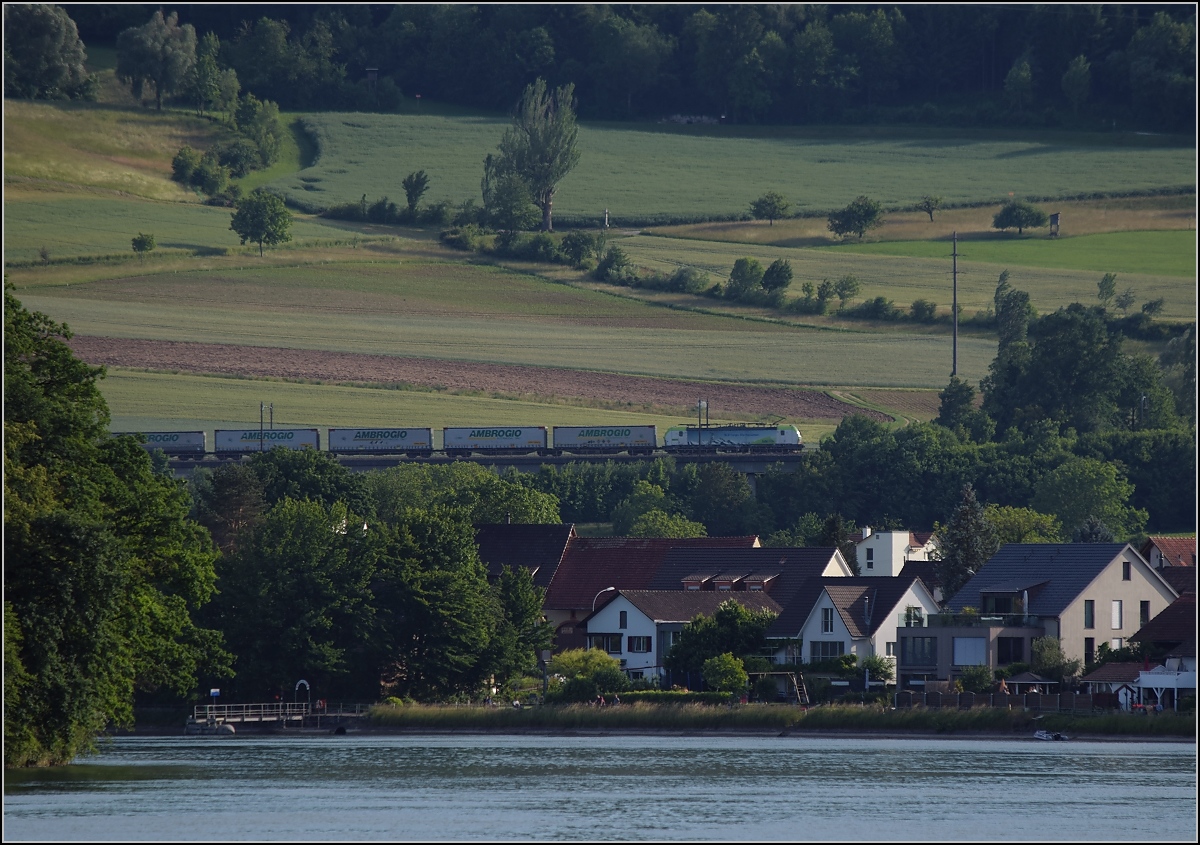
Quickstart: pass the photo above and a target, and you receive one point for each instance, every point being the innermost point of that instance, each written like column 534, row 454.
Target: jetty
column 212, row 719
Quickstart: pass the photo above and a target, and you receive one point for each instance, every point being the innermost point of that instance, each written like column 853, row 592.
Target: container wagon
column 381, row 441
column 605, row 439
column 494, row 439
column 245, row 441
column 182, row 444
column 733, row 438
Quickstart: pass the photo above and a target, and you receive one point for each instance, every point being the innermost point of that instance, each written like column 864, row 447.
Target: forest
column 1093, row 66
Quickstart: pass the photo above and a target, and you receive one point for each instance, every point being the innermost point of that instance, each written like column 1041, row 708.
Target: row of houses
column 632, row 597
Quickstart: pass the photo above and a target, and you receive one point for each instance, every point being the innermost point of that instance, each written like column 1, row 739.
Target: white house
column 860, row 616
column 884, row 553
column 638, row 627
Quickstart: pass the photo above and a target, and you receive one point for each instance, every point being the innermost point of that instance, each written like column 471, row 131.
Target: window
column 1117, row 616
column 606, row 642
column 1089, row 650
column 1116, row 643
column 997, row 604
column 827, row 620
column 675, row 635
column 891, row 649
column 870, row 558
column 639, row 645
column 826, row 650
column 624, row 619
column 1010, row 650
column 918, row 651
column 1125, row 573
column 970, row 651
column 1089, row 613
column 1144, row 614
column 914, row 617
column 725, row 586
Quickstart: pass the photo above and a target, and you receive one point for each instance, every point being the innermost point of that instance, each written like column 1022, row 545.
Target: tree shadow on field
column 199, row 250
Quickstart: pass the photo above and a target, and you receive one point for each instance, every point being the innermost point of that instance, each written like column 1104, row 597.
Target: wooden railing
column 1067, row 702
column 274, row 711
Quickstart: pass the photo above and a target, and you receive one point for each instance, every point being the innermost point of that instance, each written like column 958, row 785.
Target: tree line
column 1110, row 66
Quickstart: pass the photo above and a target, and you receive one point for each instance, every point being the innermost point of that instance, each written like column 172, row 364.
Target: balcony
column 970, row 620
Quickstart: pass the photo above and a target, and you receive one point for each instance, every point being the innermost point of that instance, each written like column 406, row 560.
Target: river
column 618, row 787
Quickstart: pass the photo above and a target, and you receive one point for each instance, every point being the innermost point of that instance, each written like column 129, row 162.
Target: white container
column 174, row 442
column 494, row 438
column 609, row 438
column 247, row 440
column 380, row 440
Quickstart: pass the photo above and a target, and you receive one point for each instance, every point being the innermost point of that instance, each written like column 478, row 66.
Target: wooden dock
column 227, row 718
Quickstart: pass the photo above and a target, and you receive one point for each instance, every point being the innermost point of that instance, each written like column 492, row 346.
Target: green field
column 1142, row 253
column 905, row 271
column 79, row 193
column 659, row 172
column 72, row 226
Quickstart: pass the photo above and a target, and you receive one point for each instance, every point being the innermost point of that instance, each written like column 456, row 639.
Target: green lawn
column 1162, row 253
column 655, row 173
column 71, row 225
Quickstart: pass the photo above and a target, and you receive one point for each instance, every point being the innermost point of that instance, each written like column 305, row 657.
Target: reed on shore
column 772, row 717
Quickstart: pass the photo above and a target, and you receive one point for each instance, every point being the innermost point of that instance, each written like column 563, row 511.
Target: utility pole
column 954, row 308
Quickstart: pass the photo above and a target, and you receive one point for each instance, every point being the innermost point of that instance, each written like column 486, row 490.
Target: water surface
column 421, row 788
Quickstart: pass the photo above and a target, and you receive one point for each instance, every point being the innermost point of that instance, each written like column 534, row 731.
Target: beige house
column 1083, row 594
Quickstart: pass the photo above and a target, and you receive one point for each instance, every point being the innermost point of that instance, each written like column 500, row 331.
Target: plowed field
column 456, row 376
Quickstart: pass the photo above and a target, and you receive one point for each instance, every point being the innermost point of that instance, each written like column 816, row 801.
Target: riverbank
column 748, row 720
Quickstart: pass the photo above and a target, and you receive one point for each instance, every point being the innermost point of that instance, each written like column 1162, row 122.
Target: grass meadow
column 647, row 173
column 81, row 180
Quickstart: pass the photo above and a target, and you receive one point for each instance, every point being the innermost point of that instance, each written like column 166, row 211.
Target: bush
column 469, row 237
column 211, row 177
column 879, row 308
column 923, row 311
column 615, row 268
column 184, row 165
column 240, row 156
column 579, row 246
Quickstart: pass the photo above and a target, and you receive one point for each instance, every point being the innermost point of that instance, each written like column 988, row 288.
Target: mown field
column 370, row 289
column 661, row 173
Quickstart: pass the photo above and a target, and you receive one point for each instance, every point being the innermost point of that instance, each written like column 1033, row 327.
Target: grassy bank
column 782, row 718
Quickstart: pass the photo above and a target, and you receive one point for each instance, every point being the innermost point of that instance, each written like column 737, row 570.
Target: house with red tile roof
column 638, row 627
column 1163, row 552
column 592, row 565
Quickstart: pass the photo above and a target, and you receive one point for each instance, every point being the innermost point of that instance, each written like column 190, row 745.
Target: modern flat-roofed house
column 857, row 615
column 593, row 565
column 1082, row 594
column 638, row 627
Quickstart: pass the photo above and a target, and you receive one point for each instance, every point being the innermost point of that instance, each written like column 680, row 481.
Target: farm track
column 461, row 377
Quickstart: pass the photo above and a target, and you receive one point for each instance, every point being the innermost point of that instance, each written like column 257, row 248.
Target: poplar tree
column 541, row 146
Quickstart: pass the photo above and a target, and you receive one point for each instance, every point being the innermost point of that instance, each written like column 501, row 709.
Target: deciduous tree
column 1106, row 288
column 415, row 185
column 541, row 146
column 1077, row 82
column 143, row 243
column 262, row 218
column 724, row 673
column 770, row 206
column 746, row 277
column 856, row 218
column 929, row 204
column 160, row 52
column 43, row 56
column 778, row 276
column 1019, row 215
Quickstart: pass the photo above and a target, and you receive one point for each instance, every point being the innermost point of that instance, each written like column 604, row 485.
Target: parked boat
column 1051, row 736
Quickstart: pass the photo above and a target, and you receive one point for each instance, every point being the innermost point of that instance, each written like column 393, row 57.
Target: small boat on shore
column 1051, row 736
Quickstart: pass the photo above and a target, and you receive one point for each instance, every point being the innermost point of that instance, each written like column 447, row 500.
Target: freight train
column 464, row 441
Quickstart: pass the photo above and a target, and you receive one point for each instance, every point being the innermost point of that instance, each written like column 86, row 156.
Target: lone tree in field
column 160, row 52
column 929, row 205
column 415, row 185
column 1020, row 216
column 541, row 146
column 262, row 219
column 770, row 206
column 856, row 218
column 142, row 244
column 1106, row 288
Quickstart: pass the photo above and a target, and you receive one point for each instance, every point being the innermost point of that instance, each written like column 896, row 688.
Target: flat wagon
column 244, row 441
column 602, row 439
column 495, row 439
column 381, row 441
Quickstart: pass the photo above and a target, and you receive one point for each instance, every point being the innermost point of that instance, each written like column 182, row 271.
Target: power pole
column 954, row 307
